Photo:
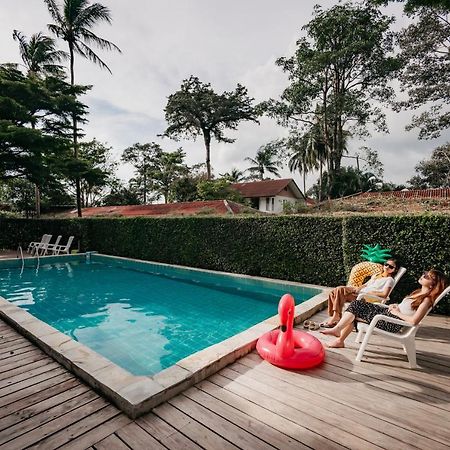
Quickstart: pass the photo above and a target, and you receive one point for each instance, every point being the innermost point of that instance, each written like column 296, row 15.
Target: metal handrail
column 21, row 255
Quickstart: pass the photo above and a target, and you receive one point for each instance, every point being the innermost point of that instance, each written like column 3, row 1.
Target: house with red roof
column 270, row 195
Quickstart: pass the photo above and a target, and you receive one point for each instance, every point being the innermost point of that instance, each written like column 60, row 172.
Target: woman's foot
column 337, row 343
column 332, row 332
column 329, row 324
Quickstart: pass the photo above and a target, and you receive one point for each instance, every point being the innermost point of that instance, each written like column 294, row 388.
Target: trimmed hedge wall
column 318, row 250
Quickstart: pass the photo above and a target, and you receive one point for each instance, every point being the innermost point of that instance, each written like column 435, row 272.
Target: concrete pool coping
column 133, row 394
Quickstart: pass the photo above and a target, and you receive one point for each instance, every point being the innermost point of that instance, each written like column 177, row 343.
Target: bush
column 316, row 250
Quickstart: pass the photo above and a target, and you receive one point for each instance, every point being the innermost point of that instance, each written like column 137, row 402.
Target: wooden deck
column 250, row 404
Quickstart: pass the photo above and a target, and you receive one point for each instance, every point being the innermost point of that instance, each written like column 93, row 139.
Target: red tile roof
column 266, row 188
column 415, row 193
column 184, row 208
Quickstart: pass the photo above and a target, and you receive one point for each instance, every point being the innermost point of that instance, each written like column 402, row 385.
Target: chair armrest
column 372, row 298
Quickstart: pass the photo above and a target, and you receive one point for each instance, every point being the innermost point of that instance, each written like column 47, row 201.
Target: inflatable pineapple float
column 374, row 257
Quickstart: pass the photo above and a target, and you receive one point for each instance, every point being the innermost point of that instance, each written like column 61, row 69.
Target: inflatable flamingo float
column 289, row 348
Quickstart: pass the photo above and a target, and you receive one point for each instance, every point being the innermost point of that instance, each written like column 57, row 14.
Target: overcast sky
column 224, row 43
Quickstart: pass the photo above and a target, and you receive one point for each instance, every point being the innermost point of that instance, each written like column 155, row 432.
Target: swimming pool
column 142, row 316
column 115, row 321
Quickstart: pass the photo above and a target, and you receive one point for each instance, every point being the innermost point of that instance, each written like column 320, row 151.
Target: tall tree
column 337, row 72
column 197, row 110
column 73, row 23
column 266, row 160
column 425, row 50
column 40, row 58
column 141, row 156
column 234, row 176
column 433, row 172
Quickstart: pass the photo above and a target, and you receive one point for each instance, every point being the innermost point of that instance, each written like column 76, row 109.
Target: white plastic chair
column 374, row 298
column 32, row 245
column 407, row 337
column 63, row 248
column 41, row 248
column 51, row 247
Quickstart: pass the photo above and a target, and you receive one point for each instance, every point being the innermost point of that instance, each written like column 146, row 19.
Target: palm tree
column 73, row 24
column 265, row 160
column 40, row 57
column 235, row 176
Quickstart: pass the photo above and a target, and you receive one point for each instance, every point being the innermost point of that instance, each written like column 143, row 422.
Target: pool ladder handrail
column 38, row 261
column 21, row 255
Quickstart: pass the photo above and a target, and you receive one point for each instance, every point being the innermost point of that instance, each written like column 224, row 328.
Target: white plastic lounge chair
column 34, row 244
column 374, row 298
column 407, row 336
column 41, row 248
column 51, row 247
column 63, row 248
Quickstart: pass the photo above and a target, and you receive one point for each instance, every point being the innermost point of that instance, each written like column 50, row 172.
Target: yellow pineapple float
column 374, row 257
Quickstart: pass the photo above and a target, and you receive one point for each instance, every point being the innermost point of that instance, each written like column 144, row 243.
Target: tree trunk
column 320, row 181
column 75, row 137
column 207, row 139
column 37, row 197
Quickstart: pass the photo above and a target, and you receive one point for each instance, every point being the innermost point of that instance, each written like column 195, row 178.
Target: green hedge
column 318, row 250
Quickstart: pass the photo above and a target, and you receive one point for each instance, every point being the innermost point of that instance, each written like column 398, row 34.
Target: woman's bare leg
column 347, row 319
column 339, row 342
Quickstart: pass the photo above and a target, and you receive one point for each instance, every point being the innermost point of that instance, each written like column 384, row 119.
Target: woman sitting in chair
column 412, row 309
column 380, row 285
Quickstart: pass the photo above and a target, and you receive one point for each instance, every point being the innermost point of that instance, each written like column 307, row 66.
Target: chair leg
column 362, row 348
column 359, row 336
column 410, row 349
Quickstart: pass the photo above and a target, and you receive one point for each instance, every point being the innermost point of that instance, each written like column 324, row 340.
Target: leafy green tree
column 40, row 58
column 338, row 71
column 73, row 23
column 165, row 169
column 434, row 172
column 217, row 190
column 184, row 188
column 197, row 110
column 121, row 195
column 19, row 193
column 425, row 50
column 413, row 5
column 141, row 156
column 234, row 176
column 266, row 160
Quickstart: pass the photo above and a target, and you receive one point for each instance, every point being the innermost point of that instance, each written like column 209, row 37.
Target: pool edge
column 136, row 395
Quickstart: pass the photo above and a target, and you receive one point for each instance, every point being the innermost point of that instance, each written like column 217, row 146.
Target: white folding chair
column 41, row 248
column 374, row 298
column 51, row 247
column 63, row 248
column 32, row 245
column 407, row 336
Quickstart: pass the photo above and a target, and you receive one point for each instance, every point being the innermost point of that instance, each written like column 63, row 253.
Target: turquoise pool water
column 143, row 317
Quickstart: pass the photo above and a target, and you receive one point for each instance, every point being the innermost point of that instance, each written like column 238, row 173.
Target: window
column 267, row 204
column 273, row 203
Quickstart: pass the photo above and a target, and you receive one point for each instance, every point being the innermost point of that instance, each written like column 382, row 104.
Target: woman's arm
column 417, row 316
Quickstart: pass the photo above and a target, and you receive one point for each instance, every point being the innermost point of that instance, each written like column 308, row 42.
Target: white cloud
column 220, row 42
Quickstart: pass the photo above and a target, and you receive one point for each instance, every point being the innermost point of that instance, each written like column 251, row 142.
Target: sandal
column 328, row 324
column 313, row 326
column 306, row 324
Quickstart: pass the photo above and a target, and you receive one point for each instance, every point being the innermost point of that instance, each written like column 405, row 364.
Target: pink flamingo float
column 289, row 348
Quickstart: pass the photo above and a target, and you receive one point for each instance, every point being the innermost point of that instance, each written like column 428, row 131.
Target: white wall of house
column 274, row 204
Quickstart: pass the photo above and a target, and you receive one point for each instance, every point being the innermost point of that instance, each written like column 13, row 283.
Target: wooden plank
column 287, row 406
column 136, row 437
column 30, row 373
column 42, row 417
column 30, row 411
column 21, row 360
column 16, row 407
column 34, row 389
column 98, row 433
column 23, row 369
column 21, row 385
column 83, row 424
column 13, row 347
column 192, row 429
column 227, row 408
column 228, row 430
column 112, row 442
column 165, row 433
column 48, row 429
column 388, row 407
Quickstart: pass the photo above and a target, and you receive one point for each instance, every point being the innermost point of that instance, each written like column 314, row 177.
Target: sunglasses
column 389, row 266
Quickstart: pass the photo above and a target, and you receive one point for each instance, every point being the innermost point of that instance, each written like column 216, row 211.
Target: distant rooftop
column 414, row 193
column 266, row 188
